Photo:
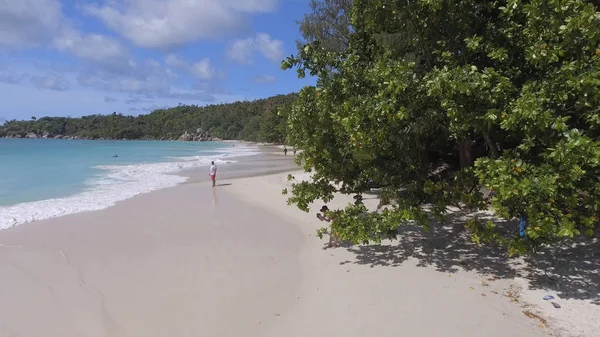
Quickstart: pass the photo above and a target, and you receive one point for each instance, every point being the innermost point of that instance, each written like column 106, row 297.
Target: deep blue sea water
column 43, row 178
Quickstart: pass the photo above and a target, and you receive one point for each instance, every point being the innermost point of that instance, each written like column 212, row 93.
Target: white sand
column 177, row 262
column 236, row 261
column 384, row 291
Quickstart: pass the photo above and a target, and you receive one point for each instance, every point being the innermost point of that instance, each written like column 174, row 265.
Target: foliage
column 328, row 22
column 273, row 124
column 443, row 100
column 239, row 120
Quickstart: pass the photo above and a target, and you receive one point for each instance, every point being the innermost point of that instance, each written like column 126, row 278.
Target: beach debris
column 512, row 293
column 548, row 297
column 277, row 314
column 472, row 288
column 534, row 316
column 484, row 295
column 556, row 305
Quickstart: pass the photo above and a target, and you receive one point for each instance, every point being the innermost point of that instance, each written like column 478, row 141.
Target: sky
column 80, row 57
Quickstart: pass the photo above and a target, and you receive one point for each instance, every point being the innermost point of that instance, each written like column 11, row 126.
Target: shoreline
column 28, row 211
column 217, row 140
column 133, row 270
column 187, row 259
column 129, row 140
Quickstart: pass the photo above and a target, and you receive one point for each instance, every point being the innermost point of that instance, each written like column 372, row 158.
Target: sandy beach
column 237, row 261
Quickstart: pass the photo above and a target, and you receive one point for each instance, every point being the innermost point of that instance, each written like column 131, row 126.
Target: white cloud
column 108, row 70
column 51, row 82
column 127, row 76
column 271, row 49
column 146, row 81
column 93, row 47
column 139, row 99
column 37, row 23
column 264, row 79
column 28, row 23
column 242, row 50
column 11, row 77
column 110, row 82
column 174, row 61
column 164, row 24
column 201, row 69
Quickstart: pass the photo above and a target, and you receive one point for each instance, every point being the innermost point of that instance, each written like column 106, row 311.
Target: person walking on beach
column 213, row 173
column 284, row 150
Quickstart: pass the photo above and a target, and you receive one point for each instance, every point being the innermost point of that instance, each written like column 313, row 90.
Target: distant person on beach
column 213, row 173
column 294, row 149
column 333, row 237
column 284, row 150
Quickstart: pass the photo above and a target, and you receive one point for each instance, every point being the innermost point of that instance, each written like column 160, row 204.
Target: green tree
column 273, row 126
column 443, row 100
column 328, row 22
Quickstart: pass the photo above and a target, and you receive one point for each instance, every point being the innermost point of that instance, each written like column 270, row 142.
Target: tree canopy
column 328, row 22
column 250, row 120
column 468, row 104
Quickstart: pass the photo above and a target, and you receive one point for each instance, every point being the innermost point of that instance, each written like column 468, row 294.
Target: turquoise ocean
column 45, row 178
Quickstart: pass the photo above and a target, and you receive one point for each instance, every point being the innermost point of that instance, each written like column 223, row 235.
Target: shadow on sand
column 220, row 185
column 571, row 270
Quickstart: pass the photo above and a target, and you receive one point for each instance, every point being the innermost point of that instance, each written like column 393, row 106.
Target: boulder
column 198, row 136
column 31, row 135
column 186, row 137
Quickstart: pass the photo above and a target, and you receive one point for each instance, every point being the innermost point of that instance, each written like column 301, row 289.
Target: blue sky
column 79, row 57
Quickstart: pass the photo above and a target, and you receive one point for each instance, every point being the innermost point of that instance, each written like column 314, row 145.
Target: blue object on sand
column 523, row 226
column 548, row 297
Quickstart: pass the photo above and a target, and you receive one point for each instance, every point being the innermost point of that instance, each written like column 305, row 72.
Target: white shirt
column 213, row 169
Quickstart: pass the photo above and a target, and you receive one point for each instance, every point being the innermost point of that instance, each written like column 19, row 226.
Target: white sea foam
column 115, row 183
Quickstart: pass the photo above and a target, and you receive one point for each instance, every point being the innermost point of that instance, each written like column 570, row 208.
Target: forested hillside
column 257, row 120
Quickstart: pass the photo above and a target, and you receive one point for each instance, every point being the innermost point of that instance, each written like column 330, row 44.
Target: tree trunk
column 490, row 144
column 465, row 152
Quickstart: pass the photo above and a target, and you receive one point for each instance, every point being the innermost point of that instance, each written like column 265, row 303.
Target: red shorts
column 213, row 176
